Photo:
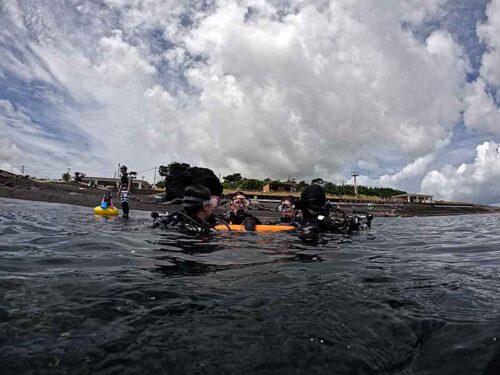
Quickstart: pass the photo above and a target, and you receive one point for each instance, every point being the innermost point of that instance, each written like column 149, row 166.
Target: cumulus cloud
column 475, row 181
column 482, row 113
column 25, row 142
column 10, row 154
column 488, row 32
column 266, row 88
column 481, row 108
column 319, row 86
column 410, row 176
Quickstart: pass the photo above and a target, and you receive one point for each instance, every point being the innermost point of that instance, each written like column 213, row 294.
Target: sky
column 405, row 93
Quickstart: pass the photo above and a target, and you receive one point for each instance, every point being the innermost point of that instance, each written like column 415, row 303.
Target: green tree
column 250, row 184
column 174, row 168
column 233, row 178
column 318, row 181
column 177, row 176
column 300, row 186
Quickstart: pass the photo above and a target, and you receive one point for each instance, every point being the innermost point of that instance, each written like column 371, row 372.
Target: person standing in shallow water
column 124, row 188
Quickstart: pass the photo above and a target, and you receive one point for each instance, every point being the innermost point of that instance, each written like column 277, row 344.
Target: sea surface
column 81, row 294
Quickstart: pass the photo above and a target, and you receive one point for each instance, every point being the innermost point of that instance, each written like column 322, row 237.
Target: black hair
column 194, row 196
column 313, row 198
column 288, row 198
column 234, row 195
column 213, row 183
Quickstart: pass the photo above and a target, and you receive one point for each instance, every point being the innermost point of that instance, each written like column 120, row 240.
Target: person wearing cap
column 239, row 214
column 124, row 188
column 196, row 213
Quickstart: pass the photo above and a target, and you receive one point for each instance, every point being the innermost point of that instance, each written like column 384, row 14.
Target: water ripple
column 85, row 294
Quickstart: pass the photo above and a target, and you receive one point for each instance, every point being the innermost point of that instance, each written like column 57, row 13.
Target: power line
column 147, row 170
column 36, row 170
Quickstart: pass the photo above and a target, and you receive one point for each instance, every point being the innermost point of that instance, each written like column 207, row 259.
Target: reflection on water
column 85, row 294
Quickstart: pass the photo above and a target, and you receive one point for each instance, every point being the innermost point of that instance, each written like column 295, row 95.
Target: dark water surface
column 88, row 295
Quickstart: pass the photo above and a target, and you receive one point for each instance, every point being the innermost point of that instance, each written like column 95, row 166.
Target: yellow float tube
column 258, row 228
column 110, row 211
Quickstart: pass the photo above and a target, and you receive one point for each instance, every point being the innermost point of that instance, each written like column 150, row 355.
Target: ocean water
column 81, row 294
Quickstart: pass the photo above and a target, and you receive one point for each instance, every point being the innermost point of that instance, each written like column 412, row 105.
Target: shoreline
column 18, row 187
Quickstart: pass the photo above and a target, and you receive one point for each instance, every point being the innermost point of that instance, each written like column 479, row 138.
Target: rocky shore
column 19, row 187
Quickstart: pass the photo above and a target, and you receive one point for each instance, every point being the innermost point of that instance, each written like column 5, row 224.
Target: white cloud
column 478, row 181
column 319, row 87
column 481, row 110
column 489, row 32
column 411, row 174
column 481, row 114
column 10, row 154
column 300, row 93
column 24, row 141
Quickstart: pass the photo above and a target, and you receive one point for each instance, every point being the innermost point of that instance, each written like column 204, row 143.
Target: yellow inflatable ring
column 110, row 211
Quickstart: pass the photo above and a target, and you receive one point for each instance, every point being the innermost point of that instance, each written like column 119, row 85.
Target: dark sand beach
column 19, row 187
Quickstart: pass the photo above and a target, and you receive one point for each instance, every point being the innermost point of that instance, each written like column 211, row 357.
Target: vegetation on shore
column 183, row 174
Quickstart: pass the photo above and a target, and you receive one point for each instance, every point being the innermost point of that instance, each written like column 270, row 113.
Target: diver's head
column 215, row 187
column 239, row 202
column 312, row 199
column 287, row 207
column 197, row 201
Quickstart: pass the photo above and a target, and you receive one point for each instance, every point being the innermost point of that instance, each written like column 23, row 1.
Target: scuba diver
column 216, row 189
column 316, row 215
column 239, row 214
column 289, row 214
column 196, row 215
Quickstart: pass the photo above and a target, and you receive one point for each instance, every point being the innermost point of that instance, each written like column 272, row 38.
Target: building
column 280, row 187
column 413, row 198
column 107, row 181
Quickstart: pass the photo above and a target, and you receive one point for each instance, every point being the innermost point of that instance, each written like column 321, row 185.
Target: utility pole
column 154, row 178
column 354, row 175
column 22, row 170
column 118, row 170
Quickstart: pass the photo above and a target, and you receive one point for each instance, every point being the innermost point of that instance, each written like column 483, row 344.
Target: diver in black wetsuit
column 316, row 215
column 239, row 213
column 289, row 214
column 196, row 215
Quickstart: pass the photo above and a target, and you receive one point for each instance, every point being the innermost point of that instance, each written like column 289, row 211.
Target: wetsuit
column 190, row 224
column 323, row 221
column 242, row 217
column 286, row 220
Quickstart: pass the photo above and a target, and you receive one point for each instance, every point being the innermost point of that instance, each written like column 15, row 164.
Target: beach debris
column 73, row 193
